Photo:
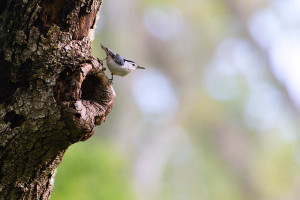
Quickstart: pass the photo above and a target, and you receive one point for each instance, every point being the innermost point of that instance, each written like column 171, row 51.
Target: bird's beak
column 139, row 67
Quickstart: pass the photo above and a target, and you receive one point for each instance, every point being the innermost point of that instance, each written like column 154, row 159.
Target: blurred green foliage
column 209, row 119
column 92, row 170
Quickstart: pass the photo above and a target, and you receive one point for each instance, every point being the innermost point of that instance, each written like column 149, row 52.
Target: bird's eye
column 133, row 64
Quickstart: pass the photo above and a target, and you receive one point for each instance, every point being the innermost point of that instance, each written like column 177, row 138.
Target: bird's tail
column 104, row 48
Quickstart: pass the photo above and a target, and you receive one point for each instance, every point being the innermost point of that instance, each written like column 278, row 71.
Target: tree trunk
column 52, row 91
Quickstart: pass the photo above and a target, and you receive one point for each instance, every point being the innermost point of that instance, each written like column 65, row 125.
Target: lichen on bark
column 53, row 92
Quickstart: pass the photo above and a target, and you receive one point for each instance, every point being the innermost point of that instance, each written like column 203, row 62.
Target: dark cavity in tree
column 14, row 119
column 89, row 87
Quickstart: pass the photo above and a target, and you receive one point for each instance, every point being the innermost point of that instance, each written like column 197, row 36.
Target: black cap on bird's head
column 134, row 64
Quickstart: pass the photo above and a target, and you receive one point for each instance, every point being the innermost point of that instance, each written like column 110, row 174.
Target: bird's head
column 136, row 66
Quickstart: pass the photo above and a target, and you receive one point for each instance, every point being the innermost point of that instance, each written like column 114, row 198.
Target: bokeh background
column 214, row 116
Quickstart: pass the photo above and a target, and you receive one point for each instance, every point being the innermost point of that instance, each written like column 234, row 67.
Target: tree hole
column 89, row 87
column 14, row 119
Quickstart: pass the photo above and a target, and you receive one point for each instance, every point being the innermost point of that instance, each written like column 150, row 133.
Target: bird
column 118, row 65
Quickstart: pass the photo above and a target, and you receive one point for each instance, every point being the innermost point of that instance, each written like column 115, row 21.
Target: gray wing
column 119, row 59
column 111, row 53
column 116, row 57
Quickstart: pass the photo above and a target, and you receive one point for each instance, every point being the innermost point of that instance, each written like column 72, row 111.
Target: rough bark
column 52, row 91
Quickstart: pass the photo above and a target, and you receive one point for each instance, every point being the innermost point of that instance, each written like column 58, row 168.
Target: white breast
column 117, row 69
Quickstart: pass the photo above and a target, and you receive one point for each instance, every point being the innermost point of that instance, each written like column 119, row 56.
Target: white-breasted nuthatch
column 117, row 65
